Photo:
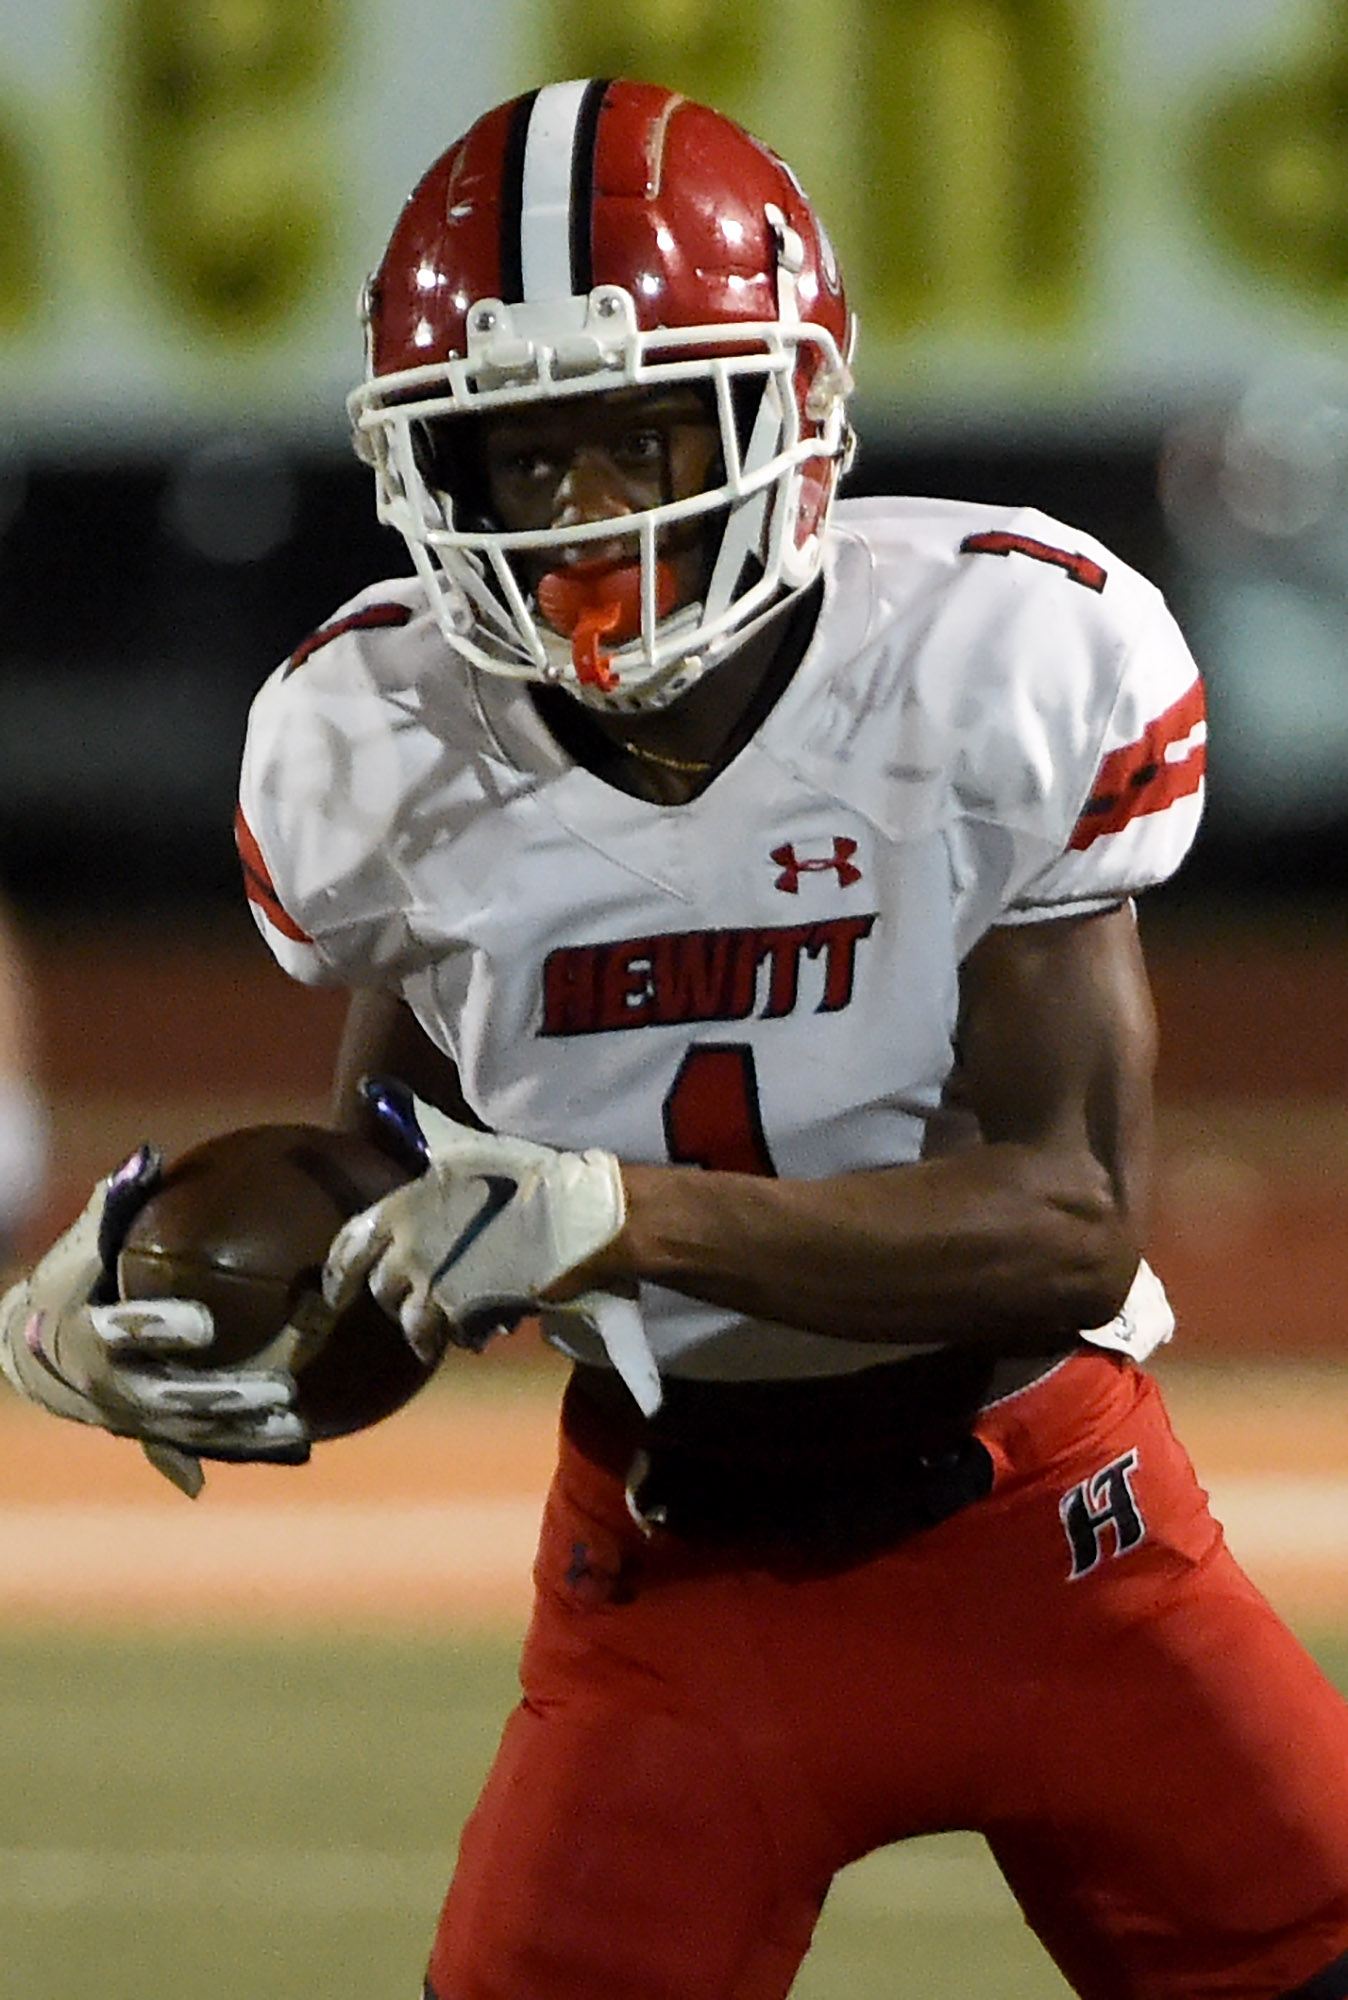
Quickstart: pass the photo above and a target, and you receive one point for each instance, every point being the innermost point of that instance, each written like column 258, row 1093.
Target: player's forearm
column 1005, row 1242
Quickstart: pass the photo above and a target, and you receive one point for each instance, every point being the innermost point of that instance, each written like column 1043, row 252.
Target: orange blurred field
column 429, row 1520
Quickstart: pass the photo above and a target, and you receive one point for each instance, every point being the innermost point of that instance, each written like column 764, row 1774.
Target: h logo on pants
column 1104, row 1501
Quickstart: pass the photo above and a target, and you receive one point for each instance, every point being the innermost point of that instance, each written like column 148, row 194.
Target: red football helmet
column 587, row 237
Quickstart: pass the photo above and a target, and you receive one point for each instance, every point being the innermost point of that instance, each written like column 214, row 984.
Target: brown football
column 243, row 1223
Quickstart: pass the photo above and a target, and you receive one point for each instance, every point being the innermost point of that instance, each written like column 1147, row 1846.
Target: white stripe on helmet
column 545, row 214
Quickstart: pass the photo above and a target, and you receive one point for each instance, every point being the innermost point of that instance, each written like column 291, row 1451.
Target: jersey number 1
column 711, row 1112
column 1000, row 542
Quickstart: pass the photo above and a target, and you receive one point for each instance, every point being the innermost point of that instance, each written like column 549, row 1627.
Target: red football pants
column 1074, row 1666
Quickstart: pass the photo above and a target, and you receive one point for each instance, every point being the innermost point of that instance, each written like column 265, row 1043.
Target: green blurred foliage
column 951, row 138
column 21, row 275
column 978, row 170
column 226, row 133
column 704, row 48
column 1270, row 166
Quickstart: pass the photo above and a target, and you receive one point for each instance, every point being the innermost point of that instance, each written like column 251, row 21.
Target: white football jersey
column 995, row 722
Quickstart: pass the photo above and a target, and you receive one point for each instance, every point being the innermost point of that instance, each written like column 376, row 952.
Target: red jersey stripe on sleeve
column 259, row 886
column 1001, row 542
column 1165, row 763
column 368, row 620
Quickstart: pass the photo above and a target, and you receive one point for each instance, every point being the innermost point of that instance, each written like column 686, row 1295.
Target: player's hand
column 70, row 1345
column 484, row 1235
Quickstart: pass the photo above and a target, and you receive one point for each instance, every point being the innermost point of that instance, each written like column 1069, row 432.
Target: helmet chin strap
column 590, row 602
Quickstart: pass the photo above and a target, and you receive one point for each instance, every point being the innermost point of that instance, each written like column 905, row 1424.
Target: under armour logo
column 580, row 1569
column 793, row 867
column 597, row 1580
column 1105, row 1500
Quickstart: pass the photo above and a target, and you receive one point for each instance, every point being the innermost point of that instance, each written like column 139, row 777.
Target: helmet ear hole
column 447, row 452
column 746, row 399
column 426, row 452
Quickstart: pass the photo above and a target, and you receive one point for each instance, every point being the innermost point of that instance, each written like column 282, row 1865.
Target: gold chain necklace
column 691, row 767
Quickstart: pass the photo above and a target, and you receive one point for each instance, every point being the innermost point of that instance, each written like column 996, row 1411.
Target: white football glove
column 68, row 1344
column 466, row 1249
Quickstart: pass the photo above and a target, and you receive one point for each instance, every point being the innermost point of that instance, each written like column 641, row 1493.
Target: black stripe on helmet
column 512, row 199
column 582, row 186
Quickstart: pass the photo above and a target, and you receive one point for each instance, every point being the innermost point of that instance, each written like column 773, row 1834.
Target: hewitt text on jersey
column 711, row 975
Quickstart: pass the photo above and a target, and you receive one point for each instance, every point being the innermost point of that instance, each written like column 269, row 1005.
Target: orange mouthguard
column 590, row 602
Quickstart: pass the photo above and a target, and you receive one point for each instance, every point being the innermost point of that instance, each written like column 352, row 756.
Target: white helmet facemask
column 763, row 513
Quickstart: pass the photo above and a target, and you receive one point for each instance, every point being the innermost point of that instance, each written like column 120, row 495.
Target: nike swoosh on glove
column 68, row 1344
column 492, row 1223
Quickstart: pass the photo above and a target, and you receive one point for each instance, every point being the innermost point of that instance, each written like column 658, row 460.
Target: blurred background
column 1099, row 249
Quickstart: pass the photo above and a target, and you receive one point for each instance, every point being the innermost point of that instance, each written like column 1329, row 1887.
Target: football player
column 738, row 887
